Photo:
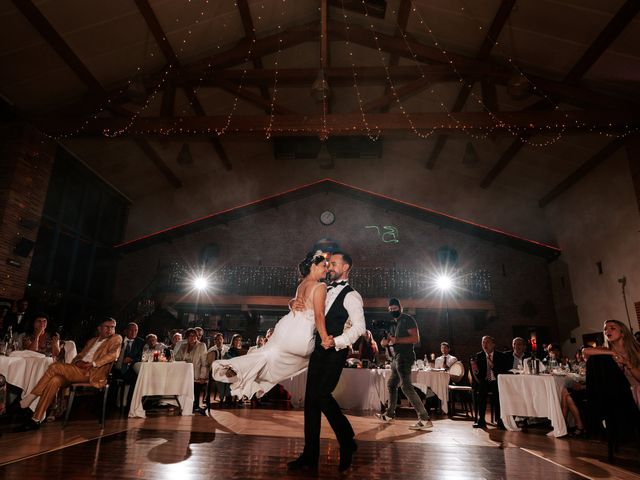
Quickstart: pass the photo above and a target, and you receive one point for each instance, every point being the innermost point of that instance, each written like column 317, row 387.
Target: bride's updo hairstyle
column 312, row 258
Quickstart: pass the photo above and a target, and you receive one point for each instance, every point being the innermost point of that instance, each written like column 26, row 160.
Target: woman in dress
column 288, row 349
column 625, row 350
column 38, row 340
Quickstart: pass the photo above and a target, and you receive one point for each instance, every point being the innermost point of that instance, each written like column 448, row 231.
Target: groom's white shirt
column 355, row 325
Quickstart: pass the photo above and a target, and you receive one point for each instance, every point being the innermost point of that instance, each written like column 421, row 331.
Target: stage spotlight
column 200, row 284
column 444, row 283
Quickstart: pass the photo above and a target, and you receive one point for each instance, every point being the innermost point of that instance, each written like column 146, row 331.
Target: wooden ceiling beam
column 215, row 141
column 404, row 9
column 254, row 98
column 42, row 25
column 579, row 96
column 160, row 164
column 55, row 41
column 168, row 99
column 582, row 171
column 403, row 92
column 250, row 34
column 499, row 20
column 351, row 123
column 611, row 31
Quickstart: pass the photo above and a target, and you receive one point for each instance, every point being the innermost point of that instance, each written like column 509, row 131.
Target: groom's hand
column 296, row 304
column 328, row 343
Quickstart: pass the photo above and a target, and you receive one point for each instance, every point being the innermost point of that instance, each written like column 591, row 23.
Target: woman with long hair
column 620, row 343
column 288, row 350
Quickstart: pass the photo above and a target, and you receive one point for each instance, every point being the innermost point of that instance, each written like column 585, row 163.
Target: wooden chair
column 459, row 391
column 87, row 389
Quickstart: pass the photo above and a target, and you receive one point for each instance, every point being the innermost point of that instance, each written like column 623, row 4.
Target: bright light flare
column 444, row 283
column 200, row 284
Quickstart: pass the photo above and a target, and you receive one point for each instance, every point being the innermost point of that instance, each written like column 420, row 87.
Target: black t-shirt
column 404, row 324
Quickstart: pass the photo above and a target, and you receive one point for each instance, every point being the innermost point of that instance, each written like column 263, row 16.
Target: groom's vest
column 337, row 315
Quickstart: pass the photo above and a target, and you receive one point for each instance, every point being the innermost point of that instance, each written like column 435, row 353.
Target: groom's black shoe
column 302, row 463
column 346, row 455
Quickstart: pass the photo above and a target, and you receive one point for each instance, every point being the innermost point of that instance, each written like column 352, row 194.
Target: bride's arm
column 319, row 297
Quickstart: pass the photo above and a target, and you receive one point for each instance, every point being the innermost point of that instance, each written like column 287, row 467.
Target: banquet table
column 170, row 379
column 366, row 389
column 534, row 396
column 24, row 371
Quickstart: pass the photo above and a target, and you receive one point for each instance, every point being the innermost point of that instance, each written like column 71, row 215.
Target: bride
column 288, row 349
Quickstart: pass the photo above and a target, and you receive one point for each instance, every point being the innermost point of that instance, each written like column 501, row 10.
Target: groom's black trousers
column 325, row 367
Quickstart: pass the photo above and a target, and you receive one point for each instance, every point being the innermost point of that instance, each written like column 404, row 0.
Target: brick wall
column 282, row 235
column 26, row 161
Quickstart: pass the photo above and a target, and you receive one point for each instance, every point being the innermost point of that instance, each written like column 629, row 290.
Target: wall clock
column 327, row 217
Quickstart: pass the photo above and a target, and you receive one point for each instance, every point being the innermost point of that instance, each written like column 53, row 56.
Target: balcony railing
column 282, row 281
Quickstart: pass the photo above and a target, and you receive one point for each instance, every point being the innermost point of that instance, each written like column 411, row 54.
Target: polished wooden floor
column 257, row 442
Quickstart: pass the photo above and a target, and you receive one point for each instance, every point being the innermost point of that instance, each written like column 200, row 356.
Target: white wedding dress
column 285, row 354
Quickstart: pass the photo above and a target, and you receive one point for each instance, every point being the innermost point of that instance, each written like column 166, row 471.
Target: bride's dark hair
column 312, row 258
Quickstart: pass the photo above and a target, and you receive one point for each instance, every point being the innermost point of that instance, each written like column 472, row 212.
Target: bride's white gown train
column 285, row 354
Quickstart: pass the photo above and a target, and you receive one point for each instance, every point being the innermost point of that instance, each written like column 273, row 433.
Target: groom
column 344, row 318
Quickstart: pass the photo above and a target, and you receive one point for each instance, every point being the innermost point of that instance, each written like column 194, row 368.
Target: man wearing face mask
column 404, row 334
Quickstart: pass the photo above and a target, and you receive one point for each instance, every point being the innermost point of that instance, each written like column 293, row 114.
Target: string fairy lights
column 551, row 131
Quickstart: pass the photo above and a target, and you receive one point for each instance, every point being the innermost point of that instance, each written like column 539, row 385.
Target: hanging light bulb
column 518, row 87
column 184, row 157
column 325, row 160
column 320, row 88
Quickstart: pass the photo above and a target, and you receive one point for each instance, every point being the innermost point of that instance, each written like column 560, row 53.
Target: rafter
column 403, row 18
column 158, row 162
column 411, row 88
column 607, row 36
column 583, row 170
column 250, row 34
column 42, row 25
column 489, row 41
column 168, row 98
column 254, row 98
column 351, row 123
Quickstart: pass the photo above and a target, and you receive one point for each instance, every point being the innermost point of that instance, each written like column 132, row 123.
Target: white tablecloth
column 24, row 372
column 365, row 389
column 533, row 396
column 163, row 378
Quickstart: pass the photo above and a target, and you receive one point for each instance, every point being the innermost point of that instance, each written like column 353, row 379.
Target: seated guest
column 217, row 352
column 37, row 339
column 579, row 364
column 553, row 355
column 153, row 345
column 195, row 352
column 176, row 338
column 130, row 354
column 445, row 360
column 486, row 366
column 260, row 341
column 366, row 347
column 620, row 344
column 200, row 332
column 518, row 353
column 91, row 365
column 17, row 319
column 268, row 335
column 235, row 347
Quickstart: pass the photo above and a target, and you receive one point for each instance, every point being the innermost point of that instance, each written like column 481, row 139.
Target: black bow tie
column 337, row 284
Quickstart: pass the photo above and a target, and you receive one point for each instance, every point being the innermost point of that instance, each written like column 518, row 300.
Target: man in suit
column 344, row 318
column 91, row 365
column 486, row 367
column 130, row 354
column 518, row 354
column 17, row 320
column 217, row 352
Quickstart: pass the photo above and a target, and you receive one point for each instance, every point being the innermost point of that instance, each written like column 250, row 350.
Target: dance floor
column 257, row 443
